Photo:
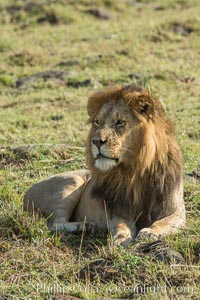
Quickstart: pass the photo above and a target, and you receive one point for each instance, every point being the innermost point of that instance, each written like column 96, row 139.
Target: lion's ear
column 141, row 103
column 92, row 107
column 145, row 106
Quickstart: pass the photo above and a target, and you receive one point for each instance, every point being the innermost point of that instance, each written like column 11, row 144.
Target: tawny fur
column 142, row 182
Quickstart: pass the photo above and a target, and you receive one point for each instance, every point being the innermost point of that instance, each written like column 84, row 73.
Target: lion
column 133, row 186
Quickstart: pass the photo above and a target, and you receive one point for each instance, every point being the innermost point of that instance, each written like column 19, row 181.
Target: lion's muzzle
column 98, row 143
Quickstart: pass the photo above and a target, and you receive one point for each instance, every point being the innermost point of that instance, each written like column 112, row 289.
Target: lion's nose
column 98, row 143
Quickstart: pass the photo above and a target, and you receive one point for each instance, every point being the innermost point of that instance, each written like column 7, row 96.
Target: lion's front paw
column 90, row 227
column 73, row 226
column 147, row 234
column 120, row 239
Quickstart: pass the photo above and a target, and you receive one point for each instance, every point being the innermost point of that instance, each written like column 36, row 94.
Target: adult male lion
column 134, row 182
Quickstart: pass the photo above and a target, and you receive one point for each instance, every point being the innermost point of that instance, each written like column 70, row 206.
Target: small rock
column 160, row 251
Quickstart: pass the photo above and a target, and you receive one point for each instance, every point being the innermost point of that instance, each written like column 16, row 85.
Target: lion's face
column 122, row 131
column 112, row 134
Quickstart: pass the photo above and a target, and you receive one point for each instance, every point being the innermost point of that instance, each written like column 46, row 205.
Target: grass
column 43, row 130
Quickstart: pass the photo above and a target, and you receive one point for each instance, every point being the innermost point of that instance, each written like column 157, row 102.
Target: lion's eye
column 96, row 122
column 120, row 123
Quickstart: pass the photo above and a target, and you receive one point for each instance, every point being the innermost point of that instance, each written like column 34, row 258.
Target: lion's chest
column 90, row 210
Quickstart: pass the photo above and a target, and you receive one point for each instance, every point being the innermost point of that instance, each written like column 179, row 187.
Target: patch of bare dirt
column 65, row 77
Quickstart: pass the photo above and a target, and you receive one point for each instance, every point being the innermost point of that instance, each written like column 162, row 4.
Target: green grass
column 43, row 131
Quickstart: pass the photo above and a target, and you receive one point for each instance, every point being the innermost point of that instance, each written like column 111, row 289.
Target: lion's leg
column 56, row 197
column 122, row 230
column 72, row 226
column 170, row 223
column 163, row 227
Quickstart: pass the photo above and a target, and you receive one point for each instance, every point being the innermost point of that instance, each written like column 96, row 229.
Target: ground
column 70, row 48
